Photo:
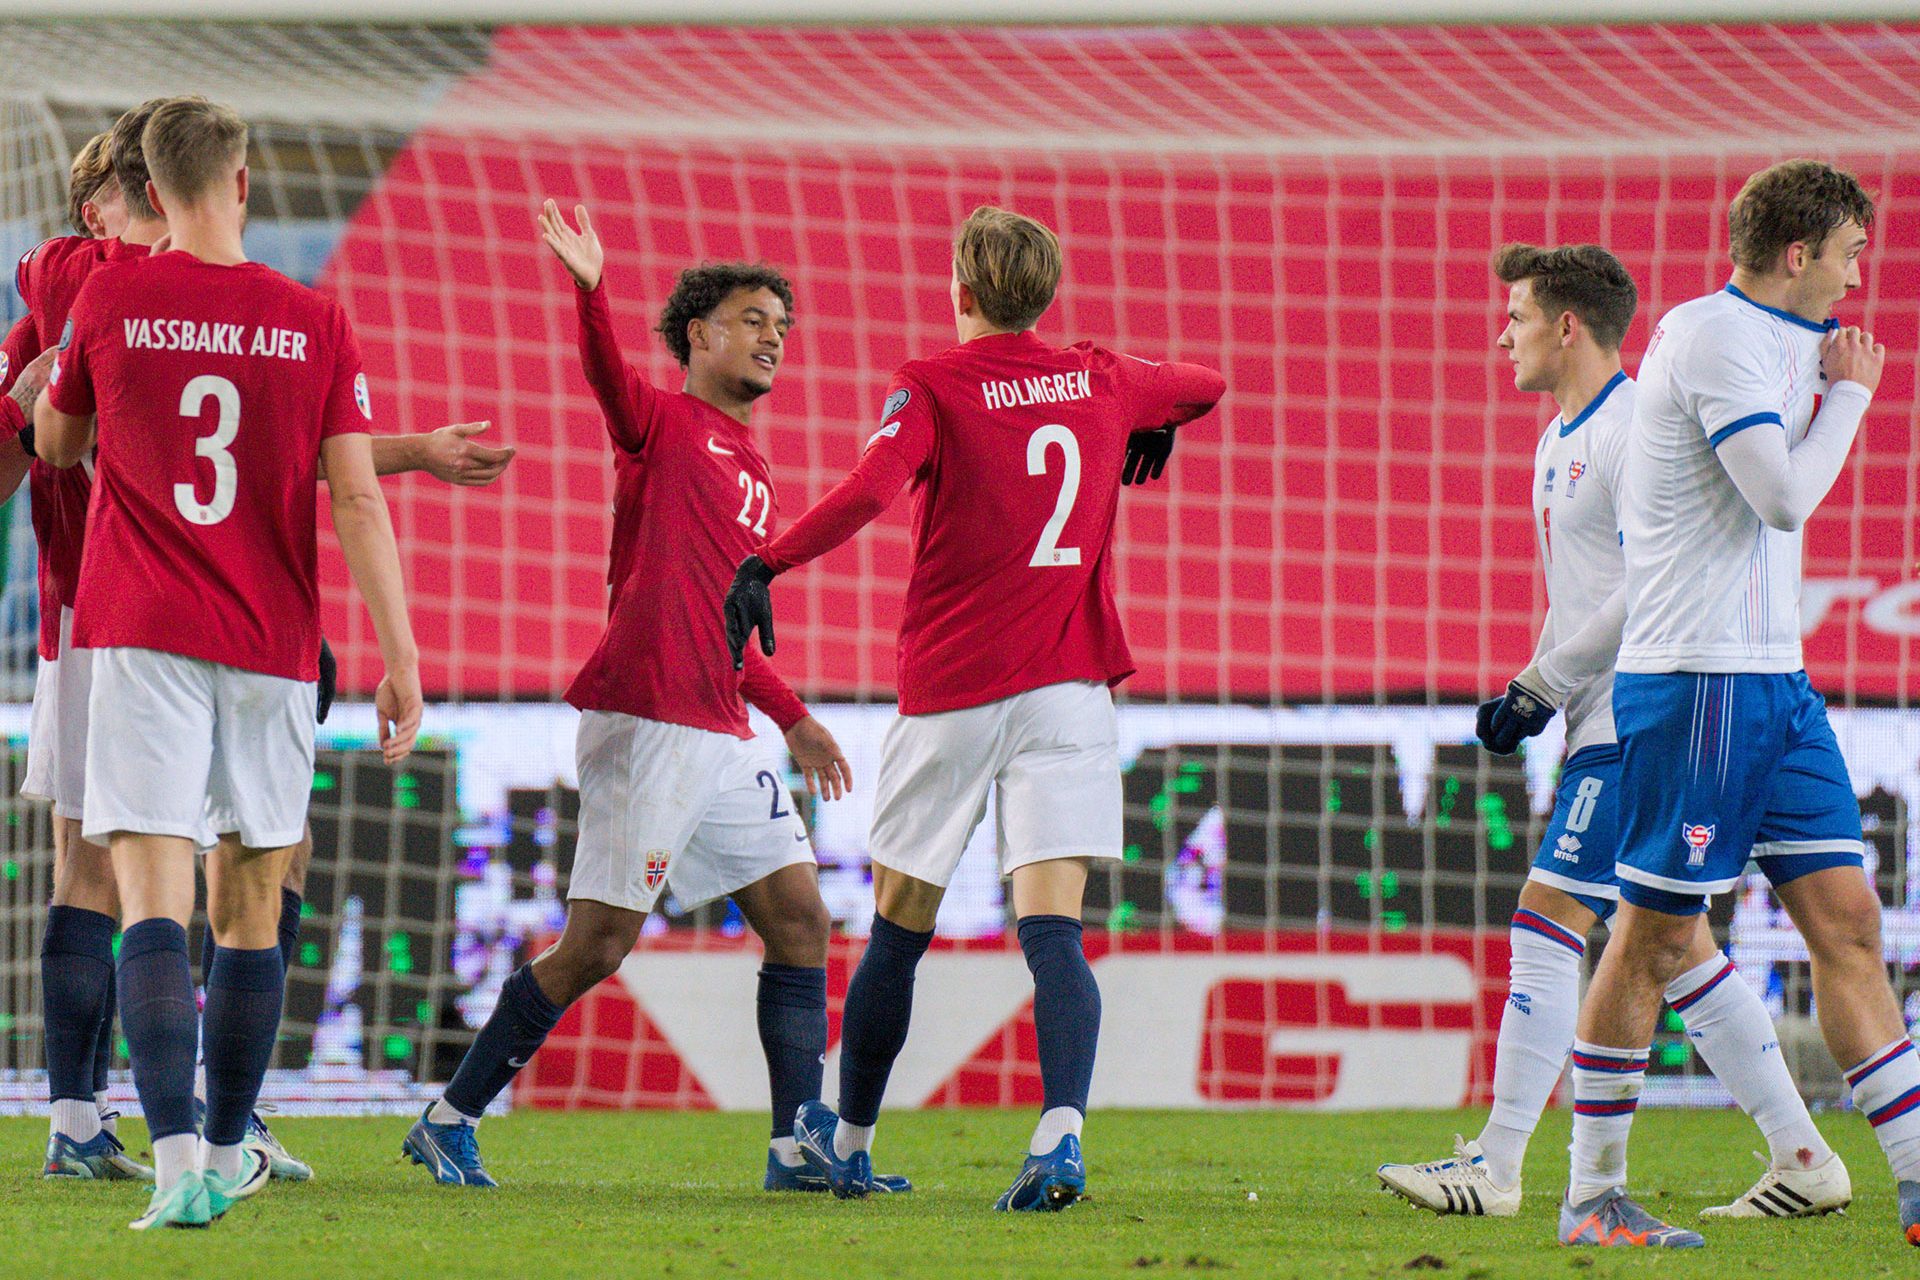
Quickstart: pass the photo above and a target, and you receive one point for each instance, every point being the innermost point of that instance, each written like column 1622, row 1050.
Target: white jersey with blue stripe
column 1710, row 587
column 1577, row 474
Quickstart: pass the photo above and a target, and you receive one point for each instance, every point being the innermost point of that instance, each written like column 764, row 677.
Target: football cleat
column 1792, row 1193
column 1459, row 1185
column 101, row 1158
column 183, row 1205
column 1048, row 1183
column 451, row 1152
column 1610, row 1220
column 813, row 1127
column 804, row 1177
column 224, row 1193
column 279, row 1163
column 1910, row 1211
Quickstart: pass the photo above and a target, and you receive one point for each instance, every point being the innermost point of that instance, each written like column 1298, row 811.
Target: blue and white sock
column 792, row 1011
column 1730, row 1026
column 238, row 1028
column 76, row 984
column 162, row 1026
column 1886, row 1089
column 513, row 1033
column 1536, row 1031
column 874, row 1027
column 1606, row 1092
column 1066, row 1022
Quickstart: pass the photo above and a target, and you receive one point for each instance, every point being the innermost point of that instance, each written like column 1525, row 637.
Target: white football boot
column 1459, row 1185
column 1792, row 1193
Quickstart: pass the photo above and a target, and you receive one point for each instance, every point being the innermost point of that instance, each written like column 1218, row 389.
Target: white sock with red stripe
column 1606, row 1091
column 1536, row 1029
column 1886, row 1088
column 1735, row 1035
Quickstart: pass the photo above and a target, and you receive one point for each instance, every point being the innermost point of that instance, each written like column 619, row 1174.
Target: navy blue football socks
column 792, row 1007
column 240, row 1024
column 514, row 1032
column 76, row 983
column 879, row 1005
column 161, row 1024
column 103, row 1045
column 290, row 903
column 1066, row 1008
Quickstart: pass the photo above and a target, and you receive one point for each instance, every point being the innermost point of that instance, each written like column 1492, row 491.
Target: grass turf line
column 601, row 1195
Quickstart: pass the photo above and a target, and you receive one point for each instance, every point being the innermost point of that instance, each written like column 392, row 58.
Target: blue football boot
column 804, row 1177
column 280, row 1163
column 100, row 1158
column 1048, row 1183
column 451, row 1152
column 813, row 1127
column 1612, row 1221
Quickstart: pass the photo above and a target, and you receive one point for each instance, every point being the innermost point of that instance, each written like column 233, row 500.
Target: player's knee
column 799, row 936
column 1852, row 937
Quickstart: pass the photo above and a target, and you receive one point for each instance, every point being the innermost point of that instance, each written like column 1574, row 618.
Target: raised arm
column 450, row 454
column 623, row 394
column 1163, row 396
column 1782, row 485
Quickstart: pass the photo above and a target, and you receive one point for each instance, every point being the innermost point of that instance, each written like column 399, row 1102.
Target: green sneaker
column 224, row 1193
column 182, row 1205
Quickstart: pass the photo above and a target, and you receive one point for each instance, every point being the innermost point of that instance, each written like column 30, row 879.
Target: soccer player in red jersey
column 671, row 793
column 1010, row 641
column 109, row 209
column 215, row 388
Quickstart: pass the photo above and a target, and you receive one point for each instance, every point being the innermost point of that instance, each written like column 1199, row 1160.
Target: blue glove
column 1518, row 713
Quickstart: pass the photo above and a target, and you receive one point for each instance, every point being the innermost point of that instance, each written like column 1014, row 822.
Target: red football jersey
column 49, row 279
column 692, row 496
column 1015, row 449
column 214, row 387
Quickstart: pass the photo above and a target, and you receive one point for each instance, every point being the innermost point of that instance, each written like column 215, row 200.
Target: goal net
column 1320, row 863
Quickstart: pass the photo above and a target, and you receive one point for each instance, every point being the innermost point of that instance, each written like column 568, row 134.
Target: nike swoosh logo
column 516, row 1063
column 714, row 448
column 802, row 836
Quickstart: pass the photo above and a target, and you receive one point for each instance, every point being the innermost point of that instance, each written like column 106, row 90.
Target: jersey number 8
column 226, row 477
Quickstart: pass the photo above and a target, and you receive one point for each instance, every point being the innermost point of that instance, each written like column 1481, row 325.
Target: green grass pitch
column 599, row 1196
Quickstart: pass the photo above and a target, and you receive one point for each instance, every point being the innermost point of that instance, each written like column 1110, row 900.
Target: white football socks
column 109, row 1119
column 1886, row 1088
column 173, row 1157
column 1606, row 1091
column 444, row 1112
column 223, row 1160
column 1735, row 1035
column 1054, row 1125
column 1536, row 1030
column 77, row 1120
column 787, row 1152
column 849, row 1138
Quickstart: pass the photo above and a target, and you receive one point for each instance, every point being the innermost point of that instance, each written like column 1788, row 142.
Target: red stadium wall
column 1350, row 523
column 1335, row 1020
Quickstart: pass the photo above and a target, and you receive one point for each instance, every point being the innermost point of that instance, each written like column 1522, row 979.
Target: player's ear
column 697, row 333
column 1796, row 257
column 963, row 300
column 243, row 184
column 153, row 198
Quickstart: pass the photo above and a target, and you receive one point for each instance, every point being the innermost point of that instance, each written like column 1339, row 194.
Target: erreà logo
column 1697, row 836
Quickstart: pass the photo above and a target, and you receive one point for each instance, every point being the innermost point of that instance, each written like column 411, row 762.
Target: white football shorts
column 57, row 737
column 1052, row 754
column 667, row 806
column 192, row 748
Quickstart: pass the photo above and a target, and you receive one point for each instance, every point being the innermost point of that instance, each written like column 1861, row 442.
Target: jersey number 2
column 1048, row 553
column 226, row 476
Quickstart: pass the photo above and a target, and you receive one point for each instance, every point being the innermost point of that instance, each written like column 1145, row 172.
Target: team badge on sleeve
column 66, row 335
column 1698, row 836
column 360, row 396
column 895, row 403
column 6, row 366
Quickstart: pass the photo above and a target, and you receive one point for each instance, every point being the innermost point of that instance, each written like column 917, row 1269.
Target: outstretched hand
column 820, row 760
column 749, row 605
column 453, row 455
column 580, row 252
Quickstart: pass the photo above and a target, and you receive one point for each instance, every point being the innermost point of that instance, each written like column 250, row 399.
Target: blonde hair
column 192, row 145
column 1010, row 262
column 92, row 169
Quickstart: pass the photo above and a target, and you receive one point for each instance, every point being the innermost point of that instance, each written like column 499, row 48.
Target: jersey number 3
column 1048, row 553
column 226, row 476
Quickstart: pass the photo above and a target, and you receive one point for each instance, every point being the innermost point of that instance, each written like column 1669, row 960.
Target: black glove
column 26, row 439
column 748, row 605
column 329, row 682
column 1518, row 713
column 1147, row 454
